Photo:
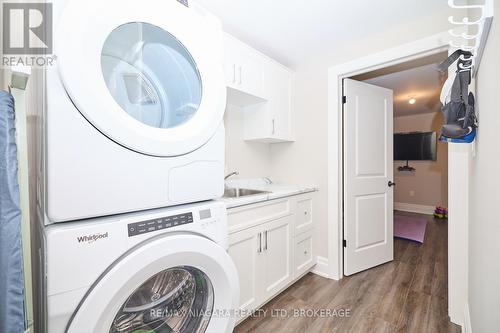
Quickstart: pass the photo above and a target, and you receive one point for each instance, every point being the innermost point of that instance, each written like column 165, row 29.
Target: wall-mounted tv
column 415, row 146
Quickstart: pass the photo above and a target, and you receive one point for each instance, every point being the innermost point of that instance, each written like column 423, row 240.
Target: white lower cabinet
column 264, row 260
column 271, row 254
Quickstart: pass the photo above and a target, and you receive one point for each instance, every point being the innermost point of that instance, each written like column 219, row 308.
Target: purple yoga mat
column 412, row 228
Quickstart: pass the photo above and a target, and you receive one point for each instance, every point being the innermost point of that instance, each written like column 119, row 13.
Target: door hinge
column 344, row 99
column 345, row 243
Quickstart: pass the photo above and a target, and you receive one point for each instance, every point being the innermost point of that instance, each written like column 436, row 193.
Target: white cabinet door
column 245, row 248
column 231, row 63
column 278, row 250
column 272, row 121
column 368, row 171
column 244, row 69
column 279, row 85
column 250, row 73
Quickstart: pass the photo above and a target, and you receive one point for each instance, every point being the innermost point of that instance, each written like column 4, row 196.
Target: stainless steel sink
column 241, row 192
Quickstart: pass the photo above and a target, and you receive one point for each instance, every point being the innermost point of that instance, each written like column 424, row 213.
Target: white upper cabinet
column 271, row 122
column 263, row 89
column 244, row 71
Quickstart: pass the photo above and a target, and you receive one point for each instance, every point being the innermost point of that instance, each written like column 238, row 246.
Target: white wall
column 305, row 160
column 428, row 185
column 251, row 160
column 484, row 229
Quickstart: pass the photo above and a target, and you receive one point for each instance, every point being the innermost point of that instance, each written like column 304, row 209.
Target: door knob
column 390, row 184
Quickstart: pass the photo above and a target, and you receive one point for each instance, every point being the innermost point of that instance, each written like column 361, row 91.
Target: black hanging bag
column 459, row 113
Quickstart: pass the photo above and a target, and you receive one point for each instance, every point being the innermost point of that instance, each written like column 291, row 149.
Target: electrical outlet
column 412, row 193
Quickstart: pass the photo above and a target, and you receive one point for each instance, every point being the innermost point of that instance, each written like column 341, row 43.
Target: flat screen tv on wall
column 415, row 146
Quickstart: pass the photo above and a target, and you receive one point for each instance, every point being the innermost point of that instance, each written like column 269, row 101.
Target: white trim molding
column 467, row 328
column 321, row 267
column 459, row 169
column 414, row 208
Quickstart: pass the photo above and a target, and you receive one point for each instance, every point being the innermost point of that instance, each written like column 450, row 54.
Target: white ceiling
column 297, row 32
column 422, row 83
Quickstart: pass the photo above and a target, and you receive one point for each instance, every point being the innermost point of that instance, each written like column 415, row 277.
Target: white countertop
column 275, row 191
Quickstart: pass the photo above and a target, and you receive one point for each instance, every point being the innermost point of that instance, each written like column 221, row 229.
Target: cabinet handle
column 234, row 73
column 260, row 243
column 274, row 127
column 241, row 71
column 265, row 244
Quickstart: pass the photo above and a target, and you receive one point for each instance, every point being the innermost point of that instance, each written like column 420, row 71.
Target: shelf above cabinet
column 242, row 99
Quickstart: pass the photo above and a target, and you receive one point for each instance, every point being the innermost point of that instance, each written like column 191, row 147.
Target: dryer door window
column 151, row 75
column 179, row 299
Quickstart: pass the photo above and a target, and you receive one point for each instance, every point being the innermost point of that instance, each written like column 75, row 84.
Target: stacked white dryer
column 133, row 131
column 135, row 105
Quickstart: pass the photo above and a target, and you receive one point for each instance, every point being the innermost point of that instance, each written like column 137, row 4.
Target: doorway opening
column 457, row 168
column 393, row 160
column 395, row 178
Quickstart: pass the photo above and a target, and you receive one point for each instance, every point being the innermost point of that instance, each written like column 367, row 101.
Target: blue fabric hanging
column 11, row 263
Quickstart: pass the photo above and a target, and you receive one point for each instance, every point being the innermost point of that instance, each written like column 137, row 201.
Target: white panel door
column 368, row 175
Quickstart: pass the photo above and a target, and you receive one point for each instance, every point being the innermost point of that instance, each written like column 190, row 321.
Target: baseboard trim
column 414, row 208
column 321, row 267
column 467, row 328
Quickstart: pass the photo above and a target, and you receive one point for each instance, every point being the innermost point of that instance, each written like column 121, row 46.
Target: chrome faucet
column 268, row 180
column 234, row 173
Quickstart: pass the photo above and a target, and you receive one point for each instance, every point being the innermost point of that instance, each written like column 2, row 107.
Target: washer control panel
column 139, row 228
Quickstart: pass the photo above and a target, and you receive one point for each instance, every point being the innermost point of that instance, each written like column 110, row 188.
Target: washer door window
column 178, row 299
column 181, row 283
column 151, row 75
column 148, row 77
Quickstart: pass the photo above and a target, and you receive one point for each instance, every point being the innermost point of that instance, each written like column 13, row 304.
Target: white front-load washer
column 133, row 116
column 164, row 270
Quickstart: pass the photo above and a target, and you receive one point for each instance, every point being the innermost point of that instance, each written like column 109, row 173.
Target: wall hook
column 464, row 35
column 465, row 21
column 452, row 4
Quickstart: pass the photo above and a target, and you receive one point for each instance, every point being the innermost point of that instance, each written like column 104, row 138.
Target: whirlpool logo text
column 92, row 238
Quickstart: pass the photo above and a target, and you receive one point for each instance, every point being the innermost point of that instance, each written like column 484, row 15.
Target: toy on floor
column 441, row 212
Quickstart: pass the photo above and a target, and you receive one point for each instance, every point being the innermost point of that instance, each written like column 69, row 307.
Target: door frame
column 333, row 266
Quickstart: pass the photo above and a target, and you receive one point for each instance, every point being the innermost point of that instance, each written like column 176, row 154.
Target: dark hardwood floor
column 406, row 295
